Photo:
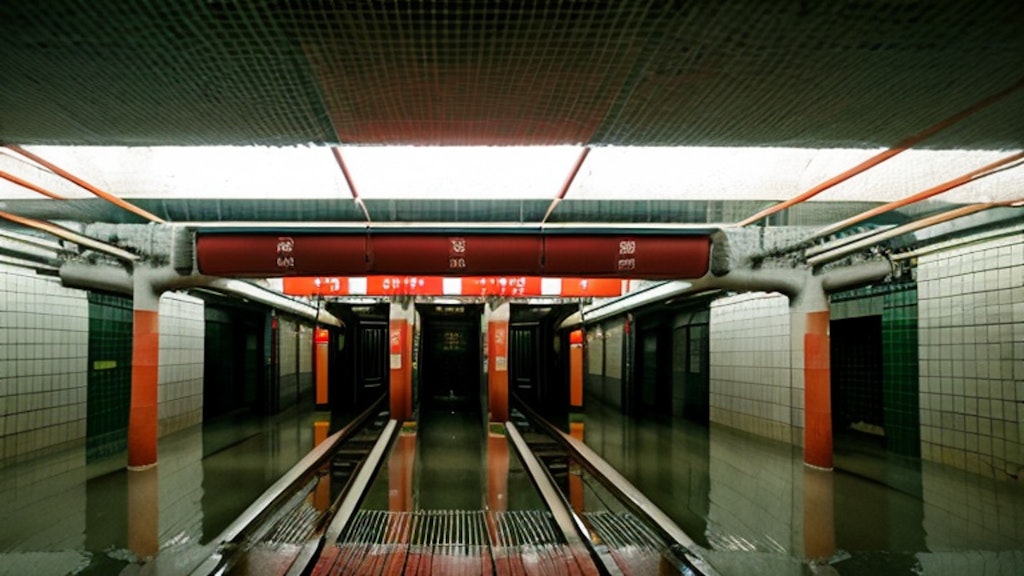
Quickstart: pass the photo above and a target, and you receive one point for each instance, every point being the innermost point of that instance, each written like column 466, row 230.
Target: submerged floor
column 758, row 510
column 61, row 515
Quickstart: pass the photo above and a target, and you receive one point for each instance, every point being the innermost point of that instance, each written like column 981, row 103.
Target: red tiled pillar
column 321, row 346
column 400, row 344
column 813, row 326
column 497, row 363
column 576, row 369
column 143, row 418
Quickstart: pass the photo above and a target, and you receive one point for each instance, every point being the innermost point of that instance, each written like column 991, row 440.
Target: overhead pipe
column 33, row 241
column 26, row 184
column 608, row 254
column 120, row 203
column 971, row 176
column 960, row 242
column 877, row 159
column 567, row 184
column 907, row 228
column 119, row 279
column 69, row 235
column 348, row 180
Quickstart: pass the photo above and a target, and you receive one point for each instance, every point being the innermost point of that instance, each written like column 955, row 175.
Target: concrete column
column 497, row 363
column 809, row 322
column 400, row 344
column 143, row 417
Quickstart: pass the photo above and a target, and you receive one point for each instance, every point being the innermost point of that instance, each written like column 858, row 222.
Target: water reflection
column 759, row 510
column 62, row 515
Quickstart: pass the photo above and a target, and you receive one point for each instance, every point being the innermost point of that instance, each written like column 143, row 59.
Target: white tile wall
column 288, row 353
column 751, row 366
column 305, row 349
column 971, row 346
column 44, row 346
column 182, row 337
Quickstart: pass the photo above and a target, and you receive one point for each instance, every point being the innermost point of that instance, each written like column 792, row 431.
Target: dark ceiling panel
column 621, row 72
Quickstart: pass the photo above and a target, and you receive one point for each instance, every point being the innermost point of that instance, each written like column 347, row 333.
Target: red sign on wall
column 507, row 286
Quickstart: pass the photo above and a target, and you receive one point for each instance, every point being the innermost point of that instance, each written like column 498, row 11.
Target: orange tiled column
column 143, row 417
column 576, row 369
column 400, row 344
column 497, row 363
column 813, row 327
column 321, row 343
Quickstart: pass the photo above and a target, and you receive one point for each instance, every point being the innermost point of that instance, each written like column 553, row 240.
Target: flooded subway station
column 529, row 288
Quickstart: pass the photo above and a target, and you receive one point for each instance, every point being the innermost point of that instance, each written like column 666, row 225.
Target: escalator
column 447, row 496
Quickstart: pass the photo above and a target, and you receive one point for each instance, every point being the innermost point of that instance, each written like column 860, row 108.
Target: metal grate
column 735, row 72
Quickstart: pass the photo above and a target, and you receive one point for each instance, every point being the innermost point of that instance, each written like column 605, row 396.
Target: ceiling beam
column 884, row 155
column 119, row 202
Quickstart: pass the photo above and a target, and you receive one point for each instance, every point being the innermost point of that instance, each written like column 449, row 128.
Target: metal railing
column 681, row 545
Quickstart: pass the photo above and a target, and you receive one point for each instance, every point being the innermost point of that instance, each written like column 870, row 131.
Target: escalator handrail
column 291, row 479
column 360, row 484
column 568, row 523
column 622, row 487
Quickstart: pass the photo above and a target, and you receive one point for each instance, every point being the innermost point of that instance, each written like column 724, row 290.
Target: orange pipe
column 348, row 180
column 29, row 185
column 912, row 226
column 987, row 170
column 568, row 183
column 96, row 191
column 885, row 154
column 64, row 233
